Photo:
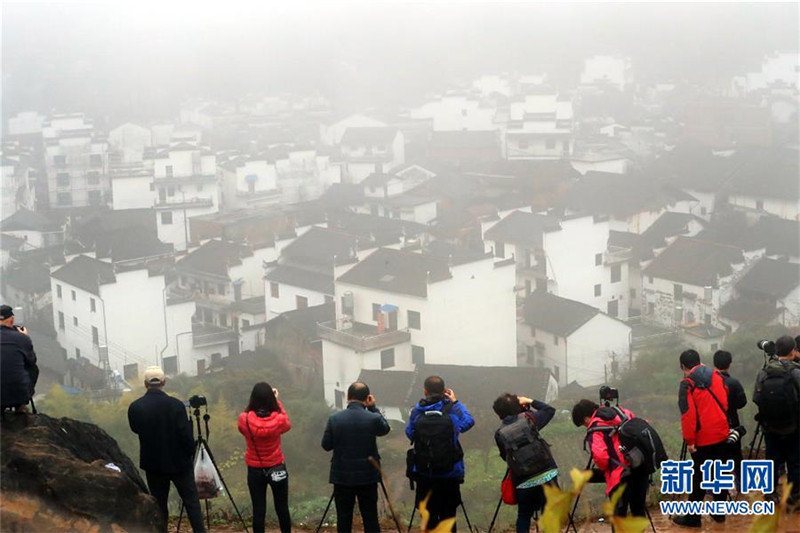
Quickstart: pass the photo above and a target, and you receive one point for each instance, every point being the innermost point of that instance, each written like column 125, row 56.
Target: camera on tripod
column 197, row 401
column 609, row 394
column 767, row 346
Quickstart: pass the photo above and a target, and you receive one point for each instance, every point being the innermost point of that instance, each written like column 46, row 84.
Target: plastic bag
column 206, row 477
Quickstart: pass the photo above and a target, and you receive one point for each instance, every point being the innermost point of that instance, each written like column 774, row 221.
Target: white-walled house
column 331, row 134
column 768, row 294
column 399, row 196
column 76, row 159
column 18, row 180
column 766, row 182
column 129, row 141
column 303, row 174
column 248, row 182
column 368, row 150
column 611, row 71
column 398, row 309
column 185, row 185
column 132, row 186
column 540, row 126
column 25, row 123
column 36, row 229
column 575, row 341
column 456, row 112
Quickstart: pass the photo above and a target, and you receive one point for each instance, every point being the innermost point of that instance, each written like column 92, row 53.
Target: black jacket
column 351, row 434
column 737, row 398
column 166, row 444
column 18, row 370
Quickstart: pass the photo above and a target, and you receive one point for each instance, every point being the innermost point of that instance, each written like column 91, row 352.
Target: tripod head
column 206, row 418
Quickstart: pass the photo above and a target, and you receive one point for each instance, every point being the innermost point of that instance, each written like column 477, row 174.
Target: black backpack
column 640, row 443
column 527, row 453
column 778, row 402
column 435, row 449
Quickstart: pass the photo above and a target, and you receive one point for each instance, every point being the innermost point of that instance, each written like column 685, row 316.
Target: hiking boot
column 687, row 521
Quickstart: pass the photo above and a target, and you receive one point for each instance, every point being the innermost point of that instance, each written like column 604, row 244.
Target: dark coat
column 166, row 443
column 18, row 370
column 737, row 398
column 352, row 435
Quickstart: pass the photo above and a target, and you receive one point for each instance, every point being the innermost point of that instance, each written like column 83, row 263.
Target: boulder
column 53, row 477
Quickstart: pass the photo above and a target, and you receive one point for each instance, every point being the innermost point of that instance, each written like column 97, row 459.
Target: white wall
column 606, row 69
column 615, row 166
column 331, row 134
column 132, row 192
column 130, row 140
column 456, row 113
column 287, row 300
column 252, row 271
column 784, row 208
column 24, row 123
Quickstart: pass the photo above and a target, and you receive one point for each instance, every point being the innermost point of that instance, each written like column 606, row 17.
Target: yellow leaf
column 579, row 479
column 611, row 504
column 556, row 509
column 630, row 524
column 765, row 523
column 424, row 515
column 445, row 526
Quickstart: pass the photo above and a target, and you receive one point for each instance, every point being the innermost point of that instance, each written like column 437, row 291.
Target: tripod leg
column 650, row 517
column 496, row 512
column 327, row 508
column 208, row 516
column 466, row 517
column 571, row 523
column 225, row 486
column 389, row 504
column 180, row 518
column 411, row 520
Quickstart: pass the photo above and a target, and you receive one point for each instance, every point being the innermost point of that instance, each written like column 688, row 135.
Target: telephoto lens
column 736, row 434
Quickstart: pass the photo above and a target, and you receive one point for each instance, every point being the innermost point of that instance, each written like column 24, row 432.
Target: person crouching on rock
column 262, row 423
column 18, row 370
column 166, row 446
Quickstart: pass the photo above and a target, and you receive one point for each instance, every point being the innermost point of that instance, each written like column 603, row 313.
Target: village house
column 368, row 150
column 768, row 294
column 540, row 126
column 575, row 341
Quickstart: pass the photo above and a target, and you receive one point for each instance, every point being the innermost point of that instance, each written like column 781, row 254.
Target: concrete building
column 368, row 150
column 248, row 182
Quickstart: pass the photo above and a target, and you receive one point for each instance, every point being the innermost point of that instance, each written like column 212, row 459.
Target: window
column 555, row 340
column 74, row 296
column 499, row 249
column 616, row 273
column 92, row 305
column 170, row 191
column 677, row 291
column 414, row 320
column 64, row 198
column 760, row 205
column 170, row 365
column 707, row 319
column 77, row 352
column 95, row 336
column 387, row 358
column 245, row 323
column 555, row 372
column 96, row 160
column 93, row 177
column 75, row 321
column 58, row 290
column 201, row 367
column 302, row 302
column 274, row 290
column 168, row 170
column 632, row 292
column 95, row 197
column 223, row 320
column 376, row 310
column 131, row 372
column 613, row 308
column 166, row 218
column 60, row 161
column 597, row 290
column 60, row 320
column 550, row 144
column 62, row 179
column 598, row 259
column 417, row 355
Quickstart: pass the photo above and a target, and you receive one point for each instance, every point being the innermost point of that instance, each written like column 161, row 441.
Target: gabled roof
column 521, row 227
column 555, row 314
column 766, row 172
column 668, row 225
column 777, row 235
column 214, row 258
column 368, row 136
column 129, row 244
column 695, row 262
column 86, row 273
column 392, row 388
column 395, row 271
column 749, row 311
column 306, row 320
column 692, row 166
column 303, row 278
column 367, row 227
column 24, row 220
column 319, row 246
column 9, row 242
column 771, row 278
column 30, row 278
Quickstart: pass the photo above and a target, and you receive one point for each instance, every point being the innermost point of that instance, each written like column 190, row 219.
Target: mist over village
column 529, row 198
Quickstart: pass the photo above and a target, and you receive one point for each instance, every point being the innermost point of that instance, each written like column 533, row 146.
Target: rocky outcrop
column 53, row 477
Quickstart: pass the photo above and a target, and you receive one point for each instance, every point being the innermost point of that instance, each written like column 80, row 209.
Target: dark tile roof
column 86, row 273
column 392, row 388
column 521, row 228
column 383, row 230
column 30, row 277
column 368, row 136
column 766, row 172
column 395, row 271
column 214, row 258
column 24, row 220
column 319, row 246
column 378, row 179
column 455, row 254
column 254, row 306
column 555, row 314
column 692, row 166
column 778, row 236
column 9, row 242
column 622, row 239
column 306, row 320
column 694, row 261
column 667, row 226
column 748, row 311
column 303, row 278
column 129, row 244
column 770, row 278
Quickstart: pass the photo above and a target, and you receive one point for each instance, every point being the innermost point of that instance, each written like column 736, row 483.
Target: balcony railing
column 189, row 203
column 360, row 337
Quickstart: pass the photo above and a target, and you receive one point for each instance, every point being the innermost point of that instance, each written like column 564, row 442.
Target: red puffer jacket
column 263, row 436
column 604, row 445
column 703, row 401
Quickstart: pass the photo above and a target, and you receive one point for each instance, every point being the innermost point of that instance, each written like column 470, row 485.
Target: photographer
column 530, row 463
column 166, row 446
column 737, row 399
column 352, row 435
column 604, row 445
column 777, row 395
column 703, row 401
column 18, row 369
column 262, row 423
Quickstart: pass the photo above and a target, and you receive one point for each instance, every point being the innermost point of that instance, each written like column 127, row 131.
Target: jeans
column 158, row 484
column 635, row 495
column 529, row 502
column 345, row 497
column 785, row 449
column 258, row 482
column 445, row 497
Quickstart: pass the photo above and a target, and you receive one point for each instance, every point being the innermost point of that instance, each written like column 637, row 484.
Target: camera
column 197, row 401
column 736, row 434
column 608, row 394
column 768, row 347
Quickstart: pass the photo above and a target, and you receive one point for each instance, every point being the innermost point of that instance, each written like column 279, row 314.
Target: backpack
column 527, row 453
column 435, row 449
column 778, row 402
column 640, row 443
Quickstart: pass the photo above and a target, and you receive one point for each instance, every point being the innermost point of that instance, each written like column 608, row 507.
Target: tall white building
column 540, row 126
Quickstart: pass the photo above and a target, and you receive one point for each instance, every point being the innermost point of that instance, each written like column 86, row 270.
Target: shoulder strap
column 719, row 404
column 253, row 440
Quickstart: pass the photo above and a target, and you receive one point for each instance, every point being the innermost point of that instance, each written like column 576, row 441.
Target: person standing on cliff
column 166, row 446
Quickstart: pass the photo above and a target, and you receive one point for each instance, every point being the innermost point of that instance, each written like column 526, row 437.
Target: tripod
column 463, row 510
column 385, row 495
column 758, row 436
column 201, row 446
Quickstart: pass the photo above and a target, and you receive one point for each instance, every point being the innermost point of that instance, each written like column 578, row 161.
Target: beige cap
column 154, row 374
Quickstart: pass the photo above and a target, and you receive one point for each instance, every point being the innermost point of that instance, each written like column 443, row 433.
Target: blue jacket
column 352, row 435
column 462, row 422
